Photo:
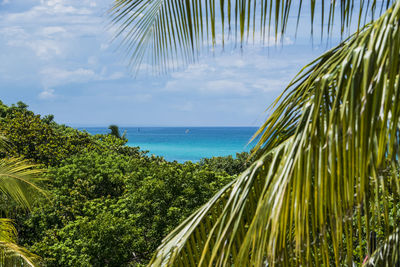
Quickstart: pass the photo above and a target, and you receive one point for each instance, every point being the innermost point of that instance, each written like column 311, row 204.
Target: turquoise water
column 186, row 143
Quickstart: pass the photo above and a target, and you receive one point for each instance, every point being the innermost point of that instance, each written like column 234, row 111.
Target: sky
column 58, row 57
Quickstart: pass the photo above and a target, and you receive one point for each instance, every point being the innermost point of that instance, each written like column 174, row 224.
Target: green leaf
column 330, row 136
column 171, row 33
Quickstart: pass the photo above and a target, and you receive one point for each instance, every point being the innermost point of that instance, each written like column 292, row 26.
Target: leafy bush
column 110, row 209
column 35, row 139
column 229, row 164
column 111, row 205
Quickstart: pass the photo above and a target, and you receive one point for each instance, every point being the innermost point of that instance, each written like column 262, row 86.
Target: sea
column 186, row 143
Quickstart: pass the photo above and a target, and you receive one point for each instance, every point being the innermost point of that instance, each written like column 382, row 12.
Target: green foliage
column 101, row 240
column 111, row 209
column 48, row 119
column 115, row 132
column 18, row 187
column 328, row 137
column 229, row 164
column 44, row 141
column 174, row 33
column 3, row 109
column 110, row 204
column 163, row 194
column 35, row 139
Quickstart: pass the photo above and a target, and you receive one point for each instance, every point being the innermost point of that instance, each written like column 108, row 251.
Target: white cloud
column 194, row 71
column 259, row 40
column 115, row 76
column 62, row 46
column 5, row 2
column 53, row 43
column 45, row 49
column 13, row 31
column 92, row 60
column 56, row 76
column 48, row 31
column 226, row 87
column 235, row 75
column 129, row 98
column 51, row 28
column 269, row 85
column 104, row 47
column 52, row 7
column 42, row 47
column 47, row 94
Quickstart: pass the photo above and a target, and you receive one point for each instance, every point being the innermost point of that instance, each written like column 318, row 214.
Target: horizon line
column 160, row 126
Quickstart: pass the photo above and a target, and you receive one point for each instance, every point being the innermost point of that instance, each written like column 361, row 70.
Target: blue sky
column 57, row 56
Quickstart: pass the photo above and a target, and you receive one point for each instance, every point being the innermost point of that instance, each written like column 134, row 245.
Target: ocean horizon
column 186, row 143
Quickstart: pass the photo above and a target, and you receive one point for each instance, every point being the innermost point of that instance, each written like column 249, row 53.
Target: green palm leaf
column 3, row 143
column 18, row 181
column 388, row 254
column 330, row 136
column 10, row 253
column 169, row 33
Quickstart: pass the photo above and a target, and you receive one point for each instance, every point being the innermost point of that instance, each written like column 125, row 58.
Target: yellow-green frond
column 321, row 185
column 10, row 253
column 169, row 33
column 4, row 145
column 18, row 180
column 14, row 255
column 8, row 233
column 388, row 254
column 227, row 214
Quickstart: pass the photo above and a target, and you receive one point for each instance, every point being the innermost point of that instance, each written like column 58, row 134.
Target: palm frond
column 330, row 136
column 192, row 241
column 8, row 233
column 14, row 255
column 10, row 253
column 169, row 33
column 18, row 180
column 4, row 144
column 388, row 254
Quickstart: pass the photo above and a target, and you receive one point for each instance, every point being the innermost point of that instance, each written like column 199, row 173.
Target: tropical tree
column 115, row 132
column 18, row 179
column 326, row 170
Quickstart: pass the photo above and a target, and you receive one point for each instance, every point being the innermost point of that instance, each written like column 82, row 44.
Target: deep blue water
column 186, row 143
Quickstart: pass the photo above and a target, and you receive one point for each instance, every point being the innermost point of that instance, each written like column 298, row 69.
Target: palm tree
column 326, row 174
column 18, row 179
column 115, row 132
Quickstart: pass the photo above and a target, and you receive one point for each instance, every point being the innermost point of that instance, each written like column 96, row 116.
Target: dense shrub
column 110, row 209
column 228, row 164
column 110, row 205
column 32, row 138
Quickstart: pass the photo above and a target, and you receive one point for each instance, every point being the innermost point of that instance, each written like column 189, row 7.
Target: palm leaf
column 388, row 254
column 169, row 33
column 10, row 253
column 330, row 136
column 4, row 144
column 18, row 180
column 14, row 255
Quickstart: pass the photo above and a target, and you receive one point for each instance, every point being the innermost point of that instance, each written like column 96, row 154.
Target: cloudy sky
column 57, row 56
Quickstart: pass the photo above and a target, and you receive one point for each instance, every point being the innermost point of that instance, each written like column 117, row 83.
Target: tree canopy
column 108, row 204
